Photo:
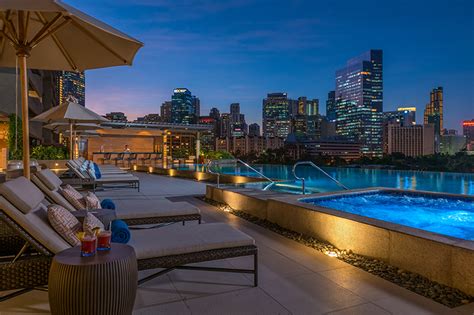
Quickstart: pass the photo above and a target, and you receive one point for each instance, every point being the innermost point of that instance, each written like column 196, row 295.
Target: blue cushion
column 107, row 204
column 98, row 174
column 120, row 232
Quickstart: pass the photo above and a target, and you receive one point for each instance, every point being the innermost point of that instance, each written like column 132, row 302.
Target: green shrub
column 15, row 152
column 49, row 152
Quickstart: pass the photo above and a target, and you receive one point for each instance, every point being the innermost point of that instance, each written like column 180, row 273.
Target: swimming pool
column 444, row 215
column 457, row 183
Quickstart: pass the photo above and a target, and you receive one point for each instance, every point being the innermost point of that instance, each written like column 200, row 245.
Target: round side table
column 103, row 284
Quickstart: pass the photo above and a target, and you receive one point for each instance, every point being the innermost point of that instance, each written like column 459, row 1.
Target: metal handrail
column 319, row 169
column 259, row 173
column 209, row 169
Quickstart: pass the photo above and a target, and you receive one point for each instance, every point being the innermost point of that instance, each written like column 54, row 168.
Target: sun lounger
column 144, row 212
column 129, row 180
column 177, row 247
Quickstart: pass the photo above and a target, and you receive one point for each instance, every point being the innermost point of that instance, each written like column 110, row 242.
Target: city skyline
column 264, row 60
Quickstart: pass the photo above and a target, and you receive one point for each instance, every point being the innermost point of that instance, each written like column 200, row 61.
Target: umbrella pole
column 71, row 144
column 24, row 113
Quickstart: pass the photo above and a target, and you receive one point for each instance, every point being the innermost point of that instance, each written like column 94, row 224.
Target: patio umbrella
column 70, row 114
column 62, row 127
column 52, row 35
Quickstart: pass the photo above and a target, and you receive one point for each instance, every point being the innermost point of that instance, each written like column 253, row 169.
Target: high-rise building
column 276, row 115
column 468, row 129
column 359, row 101
column 235, row 112
column 215, row 113
column 434, row 115
column 407, row 140
column 71, row 87
column 197, row 106
column 254, row 130
column 225, row 125
column 183, row 107
column 434, row 110
column 331, row 106
column 312, row 107
column 238, row 126
column 301, row 110
column 43, row 94
column 165, row 111
column 406, row 116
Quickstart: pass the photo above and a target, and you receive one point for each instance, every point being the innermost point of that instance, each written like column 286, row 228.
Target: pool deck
column 294, row 279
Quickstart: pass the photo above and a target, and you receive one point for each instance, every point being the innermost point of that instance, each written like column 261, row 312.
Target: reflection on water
column 458, row 183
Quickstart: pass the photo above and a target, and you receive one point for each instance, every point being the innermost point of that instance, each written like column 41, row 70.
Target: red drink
column 88, row 246
column 103, row 240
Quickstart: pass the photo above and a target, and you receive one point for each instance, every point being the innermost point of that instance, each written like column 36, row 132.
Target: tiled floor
column 293, row 278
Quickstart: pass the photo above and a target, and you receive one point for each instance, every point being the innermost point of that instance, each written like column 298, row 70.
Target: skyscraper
column 434, row 110
column 238, row 126
column 197, row 106
column 183, row 107
column 165, row 111
column 215, row 113
column 254, row 130
column 302, row 103
column 276, row 115
column 312, row 107
column 71, row 86
column 359, row 101
column 331, row 106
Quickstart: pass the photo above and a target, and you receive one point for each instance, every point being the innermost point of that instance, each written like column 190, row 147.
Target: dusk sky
column 239, row 50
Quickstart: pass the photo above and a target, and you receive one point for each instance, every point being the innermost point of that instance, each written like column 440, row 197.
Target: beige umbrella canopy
column 51, row 35
column 71, row 114
column 61, row 127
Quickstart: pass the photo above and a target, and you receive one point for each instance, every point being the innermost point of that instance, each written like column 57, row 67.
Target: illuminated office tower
column 276, row 115
column 359, row 102
column 312, row 107
column 183, row 107
column 434, row 110
column 71, row 87
column 331, row 106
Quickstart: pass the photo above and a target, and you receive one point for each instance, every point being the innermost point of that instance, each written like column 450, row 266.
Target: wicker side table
column 103, row 284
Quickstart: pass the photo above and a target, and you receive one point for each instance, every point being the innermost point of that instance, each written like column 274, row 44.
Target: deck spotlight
column 331, row 253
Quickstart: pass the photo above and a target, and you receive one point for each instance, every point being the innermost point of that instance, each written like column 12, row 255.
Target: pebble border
column 440, row 293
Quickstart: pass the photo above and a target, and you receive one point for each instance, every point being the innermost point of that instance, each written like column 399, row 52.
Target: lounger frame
column 26, row 270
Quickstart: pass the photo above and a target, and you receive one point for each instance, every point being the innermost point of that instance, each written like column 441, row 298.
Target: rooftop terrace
column 294, row 279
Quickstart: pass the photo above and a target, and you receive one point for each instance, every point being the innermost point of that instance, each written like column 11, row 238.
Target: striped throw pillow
column 92, row 202
column 75, row 198
column 65, row 224
column 90, row 223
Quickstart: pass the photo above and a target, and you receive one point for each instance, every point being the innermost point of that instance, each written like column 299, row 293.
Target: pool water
column 447, row 216
column 457, row 183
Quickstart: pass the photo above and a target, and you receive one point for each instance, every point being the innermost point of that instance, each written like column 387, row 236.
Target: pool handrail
column 209, row 169
column 319, row 169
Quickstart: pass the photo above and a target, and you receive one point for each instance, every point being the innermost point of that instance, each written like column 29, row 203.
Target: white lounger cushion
column 51, row 180
column 176, row 239
column 22, row 194
column 125, row 210
column 152, row 209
